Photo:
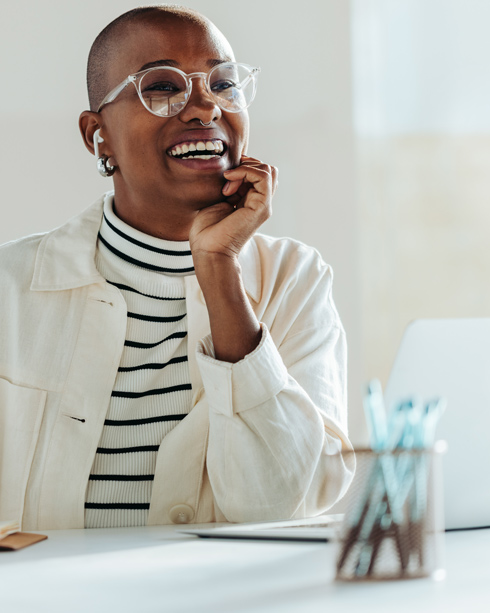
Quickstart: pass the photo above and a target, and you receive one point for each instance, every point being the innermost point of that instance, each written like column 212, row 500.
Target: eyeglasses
column 164, row 91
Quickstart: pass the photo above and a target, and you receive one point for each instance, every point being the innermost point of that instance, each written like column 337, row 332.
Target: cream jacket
column 264, row 437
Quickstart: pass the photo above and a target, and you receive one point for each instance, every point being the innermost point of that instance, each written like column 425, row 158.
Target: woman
column 195, row 370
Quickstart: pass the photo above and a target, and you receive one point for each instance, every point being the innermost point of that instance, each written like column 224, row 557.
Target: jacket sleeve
column 278, row 417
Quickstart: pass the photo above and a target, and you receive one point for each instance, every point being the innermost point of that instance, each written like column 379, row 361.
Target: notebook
column 451, row 358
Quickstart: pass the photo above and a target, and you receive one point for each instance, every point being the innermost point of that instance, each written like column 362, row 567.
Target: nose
column 201, row 104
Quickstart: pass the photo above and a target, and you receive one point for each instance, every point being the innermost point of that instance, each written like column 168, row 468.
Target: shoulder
column 291, row 285
column 285, row 276
column 17, row 258
column 287, row 258
column 21, row 245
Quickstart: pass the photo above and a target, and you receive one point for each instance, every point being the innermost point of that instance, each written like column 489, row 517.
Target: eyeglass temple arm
column 112, row 95
column 249, row 78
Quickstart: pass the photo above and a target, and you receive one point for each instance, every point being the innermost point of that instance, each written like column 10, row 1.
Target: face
column 141, row 143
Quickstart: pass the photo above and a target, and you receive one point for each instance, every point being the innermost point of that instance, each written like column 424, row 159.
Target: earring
column 105, row 169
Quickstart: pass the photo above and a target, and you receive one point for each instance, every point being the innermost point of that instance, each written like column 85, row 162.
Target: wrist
column 216, row 271
column 234, row 326
column 214, row 260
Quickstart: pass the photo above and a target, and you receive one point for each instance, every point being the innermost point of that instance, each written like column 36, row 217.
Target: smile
column 202, row 149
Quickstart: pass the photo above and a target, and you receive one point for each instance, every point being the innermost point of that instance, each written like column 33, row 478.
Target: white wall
column 301, row 122
column 421, row 66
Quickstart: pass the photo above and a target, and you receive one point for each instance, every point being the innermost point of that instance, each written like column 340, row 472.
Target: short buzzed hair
column 107, row 42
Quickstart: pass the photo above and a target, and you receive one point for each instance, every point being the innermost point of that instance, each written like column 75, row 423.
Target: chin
column 207, row 195
column 203, row 203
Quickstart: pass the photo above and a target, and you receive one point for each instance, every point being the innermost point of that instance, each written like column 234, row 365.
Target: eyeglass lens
column 165, row 91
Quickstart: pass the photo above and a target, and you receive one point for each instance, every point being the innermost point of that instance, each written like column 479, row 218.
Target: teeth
column 215, row 147
column 199, row 157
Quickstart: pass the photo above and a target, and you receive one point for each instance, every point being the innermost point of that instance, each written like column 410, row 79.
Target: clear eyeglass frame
column 137, row 78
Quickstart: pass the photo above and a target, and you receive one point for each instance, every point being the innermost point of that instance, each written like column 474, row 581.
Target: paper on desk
column 8, row 527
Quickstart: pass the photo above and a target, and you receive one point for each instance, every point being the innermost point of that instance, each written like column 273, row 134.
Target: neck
column 163, row 223
column 152, row 213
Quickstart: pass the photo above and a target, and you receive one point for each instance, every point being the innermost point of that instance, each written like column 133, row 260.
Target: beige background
column 425, row 219
column 422, row 126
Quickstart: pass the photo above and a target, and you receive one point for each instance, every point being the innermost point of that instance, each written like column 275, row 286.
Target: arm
column 277, row 418
column 216, row 238
column 274, row 440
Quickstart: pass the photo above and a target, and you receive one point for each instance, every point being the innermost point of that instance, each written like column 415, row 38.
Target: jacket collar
column 66, row 256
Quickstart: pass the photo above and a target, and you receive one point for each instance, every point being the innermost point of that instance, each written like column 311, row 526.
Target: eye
column 221, row 86
column 161, row 86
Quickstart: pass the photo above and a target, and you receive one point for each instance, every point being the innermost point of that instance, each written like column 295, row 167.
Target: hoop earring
column 104, row 169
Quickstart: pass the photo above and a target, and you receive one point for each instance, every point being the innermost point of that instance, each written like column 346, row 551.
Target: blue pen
column 376, row 415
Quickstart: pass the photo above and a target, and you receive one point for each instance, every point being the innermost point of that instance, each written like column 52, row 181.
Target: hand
column 223, row 229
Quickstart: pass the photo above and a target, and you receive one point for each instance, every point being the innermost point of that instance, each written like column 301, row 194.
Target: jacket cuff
column 231, row 388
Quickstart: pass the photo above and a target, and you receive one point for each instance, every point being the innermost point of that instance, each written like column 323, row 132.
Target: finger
column 253, row 162
column 238, row 199
column 231, row 187
column 275, row 182
column 248, row 157
column 259, row 177
column 257, row 164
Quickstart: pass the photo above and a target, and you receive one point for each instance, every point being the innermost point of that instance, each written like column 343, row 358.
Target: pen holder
column 394, row 523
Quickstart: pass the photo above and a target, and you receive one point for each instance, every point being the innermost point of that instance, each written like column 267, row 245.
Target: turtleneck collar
column 142, row 250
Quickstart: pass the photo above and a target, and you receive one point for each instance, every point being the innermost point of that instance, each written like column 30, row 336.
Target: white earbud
column 97, row 139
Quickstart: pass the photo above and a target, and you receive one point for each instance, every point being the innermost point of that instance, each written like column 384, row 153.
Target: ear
column 89, row 122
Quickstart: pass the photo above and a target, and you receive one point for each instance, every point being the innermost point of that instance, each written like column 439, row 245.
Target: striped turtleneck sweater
column 152, row 390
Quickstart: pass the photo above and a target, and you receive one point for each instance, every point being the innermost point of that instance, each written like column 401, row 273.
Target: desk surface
column 157, row 569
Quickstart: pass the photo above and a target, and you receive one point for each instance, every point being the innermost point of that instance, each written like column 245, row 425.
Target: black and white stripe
column 145, row 252
column 152, row 390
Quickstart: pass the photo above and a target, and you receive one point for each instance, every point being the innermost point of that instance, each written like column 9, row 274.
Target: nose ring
column 206, row 125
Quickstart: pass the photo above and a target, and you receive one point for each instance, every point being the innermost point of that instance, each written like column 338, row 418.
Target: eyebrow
column 174, row 64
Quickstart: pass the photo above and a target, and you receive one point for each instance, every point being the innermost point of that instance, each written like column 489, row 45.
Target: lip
column 217, row 163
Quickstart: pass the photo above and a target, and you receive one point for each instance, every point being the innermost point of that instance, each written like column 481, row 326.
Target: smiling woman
column 197, row 369
column 138, row 139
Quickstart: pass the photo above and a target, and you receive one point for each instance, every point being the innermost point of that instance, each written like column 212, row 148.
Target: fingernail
column 226, row 186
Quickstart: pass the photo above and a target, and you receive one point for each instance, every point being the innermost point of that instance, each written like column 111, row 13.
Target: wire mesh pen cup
column 394, row 521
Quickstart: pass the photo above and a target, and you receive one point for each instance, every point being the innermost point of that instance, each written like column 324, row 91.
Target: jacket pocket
column 21, row 413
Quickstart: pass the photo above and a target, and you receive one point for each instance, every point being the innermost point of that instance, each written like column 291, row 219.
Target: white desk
column 138, row 570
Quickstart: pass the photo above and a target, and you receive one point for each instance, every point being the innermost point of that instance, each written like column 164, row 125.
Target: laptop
column 451, row 358
column 312, row 529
